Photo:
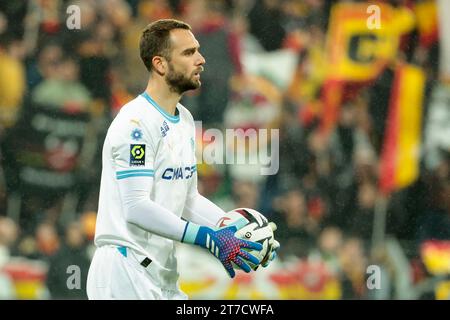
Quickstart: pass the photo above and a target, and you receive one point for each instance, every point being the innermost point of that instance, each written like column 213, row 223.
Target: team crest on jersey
column 136, row 134
column 164, row 128
column 137, row 155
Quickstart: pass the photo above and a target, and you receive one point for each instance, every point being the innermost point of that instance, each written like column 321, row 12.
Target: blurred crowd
column 265, row 69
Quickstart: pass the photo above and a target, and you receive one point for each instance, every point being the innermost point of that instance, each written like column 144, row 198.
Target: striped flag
column 357, row 52
column 444, row 39
column 436, row 256
column 332, row 93
column 399, row 165
column 427, row 22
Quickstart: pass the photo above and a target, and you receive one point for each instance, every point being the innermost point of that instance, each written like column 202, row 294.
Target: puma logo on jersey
column 135, row 122
column 179, row 173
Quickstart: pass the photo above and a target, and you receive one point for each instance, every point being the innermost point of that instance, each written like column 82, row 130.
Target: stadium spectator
column 8, row 236
column 296, row 229
column 353, row 263
column 327, row 188
column 221, row 48
column 47, row 240
column 266, row 24
column 12, row 85
column 71, row 256
column 63, row 91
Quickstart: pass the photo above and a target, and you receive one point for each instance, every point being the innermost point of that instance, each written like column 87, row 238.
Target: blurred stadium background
column 364, row 120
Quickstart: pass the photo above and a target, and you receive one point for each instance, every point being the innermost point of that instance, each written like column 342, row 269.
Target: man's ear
column 159, row 64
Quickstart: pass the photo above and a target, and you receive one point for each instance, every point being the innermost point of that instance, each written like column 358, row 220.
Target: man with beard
column 148, row 191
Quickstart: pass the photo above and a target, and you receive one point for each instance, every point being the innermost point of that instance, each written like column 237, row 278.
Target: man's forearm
column 202, row 211
column 147, row 214
column 152, row 217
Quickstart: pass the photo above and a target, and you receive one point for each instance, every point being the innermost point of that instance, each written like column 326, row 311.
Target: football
column 257, row 229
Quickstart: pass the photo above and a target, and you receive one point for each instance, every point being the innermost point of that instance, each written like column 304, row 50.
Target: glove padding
column 274, row 249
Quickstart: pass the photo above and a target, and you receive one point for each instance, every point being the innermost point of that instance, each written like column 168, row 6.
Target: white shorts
column 113, row 276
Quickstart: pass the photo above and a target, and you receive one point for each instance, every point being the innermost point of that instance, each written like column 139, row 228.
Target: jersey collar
column 171, row 118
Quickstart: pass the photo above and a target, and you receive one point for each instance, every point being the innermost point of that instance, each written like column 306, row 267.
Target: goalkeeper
column 148, row 191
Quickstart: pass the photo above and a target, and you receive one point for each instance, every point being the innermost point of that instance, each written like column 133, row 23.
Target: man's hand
column 223, row 244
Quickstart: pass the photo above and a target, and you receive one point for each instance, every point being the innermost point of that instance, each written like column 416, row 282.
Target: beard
column 179, row 83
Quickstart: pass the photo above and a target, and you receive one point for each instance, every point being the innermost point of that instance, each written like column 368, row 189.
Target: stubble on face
column 179, row 82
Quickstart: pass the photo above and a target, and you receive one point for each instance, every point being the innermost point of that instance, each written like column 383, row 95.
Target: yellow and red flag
column 444, row 40
column 427, row 22
column 332, row 92
column 436, row 256
column 362, row 39
column 399, row 165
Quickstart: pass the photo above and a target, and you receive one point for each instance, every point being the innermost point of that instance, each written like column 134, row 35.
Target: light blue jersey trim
column 190, row 233
column 171, row 118
column 135, row 173
column 123, row 251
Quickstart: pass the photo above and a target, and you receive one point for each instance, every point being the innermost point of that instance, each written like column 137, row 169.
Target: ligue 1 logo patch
column 137, row 155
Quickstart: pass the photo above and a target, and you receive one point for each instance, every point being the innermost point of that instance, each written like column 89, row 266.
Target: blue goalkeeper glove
column 223, row 245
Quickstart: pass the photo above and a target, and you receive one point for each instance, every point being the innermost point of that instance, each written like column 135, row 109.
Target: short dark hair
column 155, row 39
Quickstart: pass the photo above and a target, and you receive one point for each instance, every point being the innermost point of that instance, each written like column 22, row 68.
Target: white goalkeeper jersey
column 146, row 142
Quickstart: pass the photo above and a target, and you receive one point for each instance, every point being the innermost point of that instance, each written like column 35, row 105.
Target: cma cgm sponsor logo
column 179, row 173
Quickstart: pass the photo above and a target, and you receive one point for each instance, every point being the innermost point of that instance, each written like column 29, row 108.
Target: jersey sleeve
column 133, row 157
column 132, row 150
column 200, row 210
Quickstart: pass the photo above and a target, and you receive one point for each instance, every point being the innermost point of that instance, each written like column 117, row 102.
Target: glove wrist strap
column 190, row 233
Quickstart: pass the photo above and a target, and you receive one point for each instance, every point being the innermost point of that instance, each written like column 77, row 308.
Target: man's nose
column 201, row 60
